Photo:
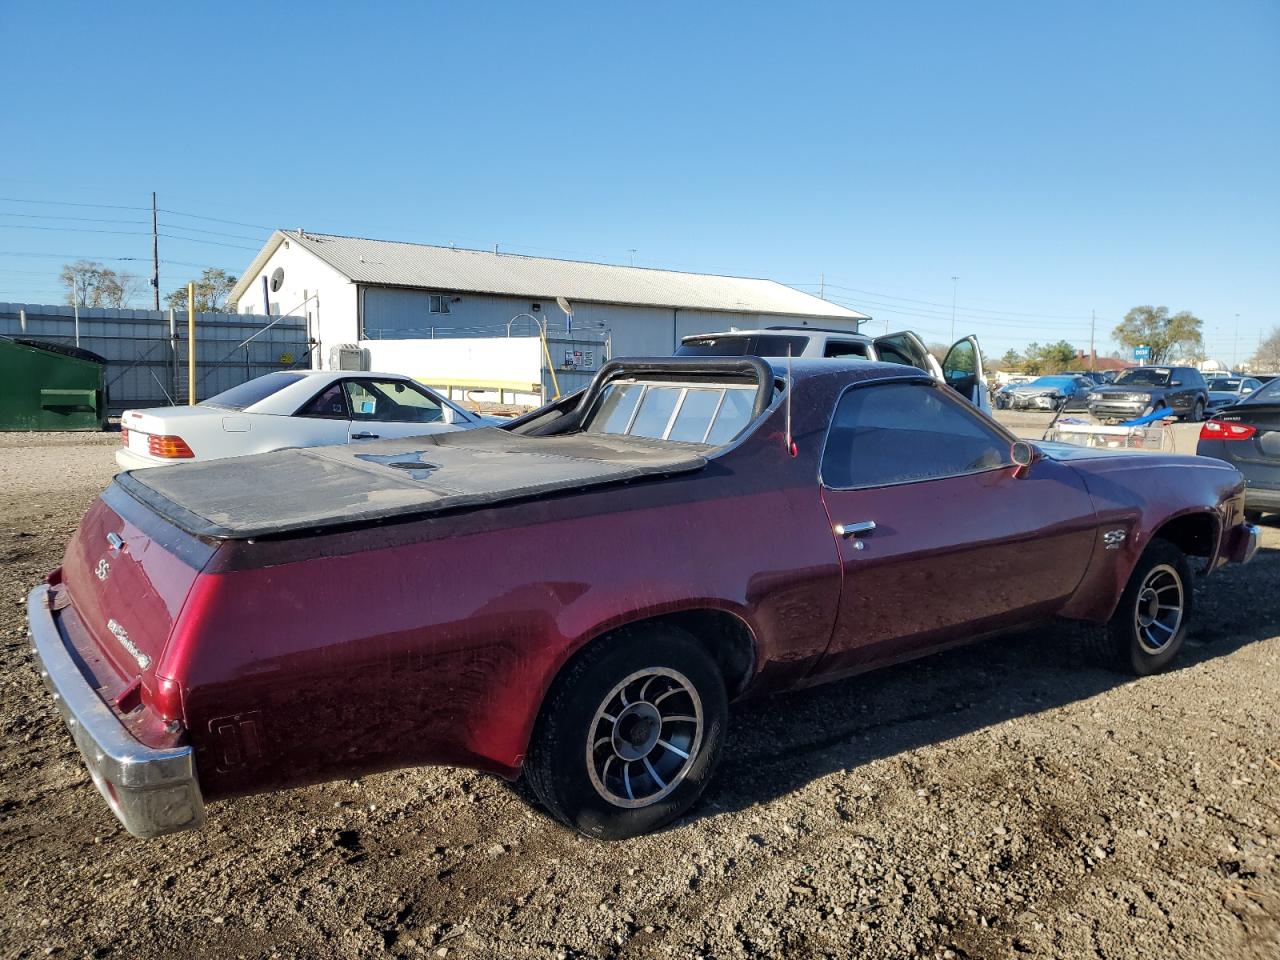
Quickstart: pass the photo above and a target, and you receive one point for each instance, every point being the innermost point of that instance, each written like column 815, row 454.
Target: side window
column 844, row 348
column 906, row 432
column 392, row 401
column 330, row 404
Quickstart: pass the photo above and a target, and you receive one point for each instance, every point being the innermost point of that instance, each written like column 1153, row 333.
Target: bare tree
column 90, row 284
column 1267, row 357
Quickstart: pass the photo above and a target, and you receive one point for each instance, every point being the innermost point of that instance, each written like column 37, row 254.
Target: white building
column 439, row 313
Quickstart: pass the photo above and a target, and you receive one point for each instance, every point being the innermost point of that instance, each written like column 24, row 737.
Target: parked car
column 960, row 369
column 1142, row 390
column 578, row 595
column 1247, row 436
column 1225, row 390
column 1049, row 392
column 293, row 408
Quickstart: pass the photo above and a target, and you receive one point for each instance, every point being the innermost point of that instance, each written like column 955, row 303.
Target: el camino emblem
column 123, row 636
column 1113, row 539
column 102, row 569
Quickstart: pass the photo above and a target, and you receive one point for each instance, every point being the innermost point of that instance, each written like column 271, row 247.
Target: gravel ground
column 1004, row 800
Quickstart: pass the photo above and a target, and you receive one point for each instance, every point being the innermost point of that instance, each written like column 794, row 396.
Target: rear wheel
column 1197, row 412
column 1150, row 622
column 630, row 733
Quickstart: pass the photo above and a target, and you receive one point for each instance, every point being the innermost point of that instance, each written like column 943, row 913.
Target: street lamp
column 954, row 282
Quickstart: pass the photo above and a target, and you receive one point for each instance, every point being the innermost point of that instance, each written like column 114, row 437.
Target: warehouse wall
column 399, row 314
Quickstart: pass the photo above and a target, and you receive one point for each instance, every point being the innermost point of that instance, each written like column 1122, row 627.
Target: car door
column 908, row 349
column 385, row 407
column 939, row 536
column 962, row 372
column 324, row 419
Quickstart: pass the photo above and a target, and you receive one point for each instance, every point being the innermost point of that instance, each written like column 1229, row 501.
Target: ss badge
column 102, row 569
column 1113, row 539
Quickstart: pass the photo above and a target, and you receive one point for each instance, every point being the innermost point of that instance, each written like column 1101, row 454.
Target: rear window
column 252, row 391
column 737, row 345
column 706, row 413
column 1269, row 392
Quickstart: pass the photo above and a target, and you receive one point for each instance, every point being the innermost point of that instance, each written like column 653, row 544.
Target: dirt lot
column 1005, row 800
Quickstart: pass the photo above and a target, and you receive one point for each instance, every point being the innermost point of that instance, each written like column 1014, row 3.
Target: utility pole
column 1235, row 346
column 1093, row 319
column 632, row 251
column 822, row 286
column 954, row 282
column 155, row 253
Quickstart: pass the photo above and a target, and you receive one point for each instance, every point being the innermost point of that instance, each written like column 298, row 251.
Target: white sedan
column 294, row 408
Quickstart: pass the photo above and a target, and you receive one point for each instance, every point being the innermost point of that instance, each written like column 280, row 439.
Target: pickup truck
column 577, row 596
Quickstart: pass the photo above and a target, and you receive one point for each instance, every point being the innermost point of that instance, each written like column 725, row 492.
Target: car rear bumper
column 1261, row 498
column 126, row 459
column 1035, row 403
column 151, row 791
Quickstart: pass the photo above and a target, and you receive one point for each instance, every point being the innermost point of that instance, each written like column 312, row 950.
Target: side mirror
column 1246, row 390
column 1175, row 383
column 1024, row 455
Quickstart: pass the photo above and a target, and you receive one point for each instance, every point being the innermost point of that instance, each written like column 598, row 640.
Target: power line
column 68, row 203
column 196, row 216
column 215, row 233
column 947, row 306
column 120, row 233
column 49, row 216
column 215, row 243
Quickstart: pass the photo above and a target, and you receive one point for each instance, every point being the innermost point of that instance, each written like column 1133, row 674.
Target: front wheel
column 1150, row 622
column 630, row 733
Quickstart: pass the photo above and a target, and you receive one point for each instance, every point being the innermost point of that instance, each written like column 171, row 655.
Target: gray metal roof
column 388, row 263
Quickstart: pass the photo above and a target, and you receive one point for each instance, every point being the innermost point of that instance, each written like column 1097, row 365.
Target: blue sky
column 1057, row 158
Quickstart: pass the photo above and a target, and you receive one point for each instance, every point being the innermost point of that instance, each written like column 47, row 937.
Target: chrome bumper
column 151, row 791
column 1244, row 543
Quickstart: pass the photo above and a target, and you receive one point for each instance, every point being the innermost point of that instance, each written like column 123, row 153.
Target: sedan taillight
column 169, row 447
column 1217, row 430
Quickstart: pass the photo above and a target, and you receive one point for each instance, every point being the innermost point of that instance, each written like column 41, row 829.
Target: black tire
column 1197, row 412
column 575, row 787
column 1126, row 644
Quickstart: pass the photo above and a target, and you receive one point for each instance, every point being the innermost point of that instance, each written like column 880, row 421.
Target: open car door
column 906, row 348
column 962, row 372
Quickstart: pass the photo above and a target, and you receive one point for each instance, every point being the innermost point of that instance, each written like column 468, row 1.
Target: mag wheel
column 1150, row 623
column 629, row 734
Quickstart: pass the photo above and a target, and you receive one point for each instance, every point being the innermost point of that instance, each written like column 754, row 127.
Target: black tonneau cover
column 288, row 491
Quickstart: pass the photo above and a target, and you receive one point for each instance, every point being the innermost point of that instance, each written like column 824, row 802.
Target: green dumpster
column 50, row 386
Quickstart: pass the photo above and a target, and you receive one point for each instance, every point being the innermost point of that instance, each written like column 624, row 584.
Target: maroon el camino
column 577, row 596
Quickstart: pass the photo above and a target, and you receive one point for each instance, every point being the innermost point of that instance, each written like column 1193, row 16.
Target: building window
column 439, row 303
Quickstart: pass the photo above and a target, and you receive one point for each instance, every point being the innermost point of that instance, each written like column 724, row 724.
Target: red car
column 577, row 597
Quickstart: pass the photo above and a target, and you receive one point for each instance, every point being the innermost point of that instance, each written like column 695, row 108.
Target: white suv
column 961, row 370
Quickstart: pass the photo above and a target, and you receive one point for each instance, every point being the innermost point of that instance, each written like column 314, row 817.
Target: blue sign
column 1142, row 352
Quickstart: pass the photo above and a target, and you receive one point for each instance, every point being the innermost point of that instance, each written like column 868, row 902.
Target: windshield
column 252, row 391
column 1145, row 377
column 1269, row 392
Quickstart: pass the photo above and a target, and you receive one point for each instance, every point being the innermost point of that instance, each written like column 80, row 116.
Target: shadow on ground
column 778, row 744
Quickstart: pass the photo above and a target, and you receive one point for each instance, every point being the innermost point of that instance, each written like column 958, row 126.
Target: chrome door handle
column 364, row 436
column 848, row 530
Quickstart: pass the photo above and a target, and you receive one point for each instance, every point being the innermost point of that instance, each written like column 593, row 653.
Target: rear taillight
column 1218, row 430
column 169, row 447
column 124, row 436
